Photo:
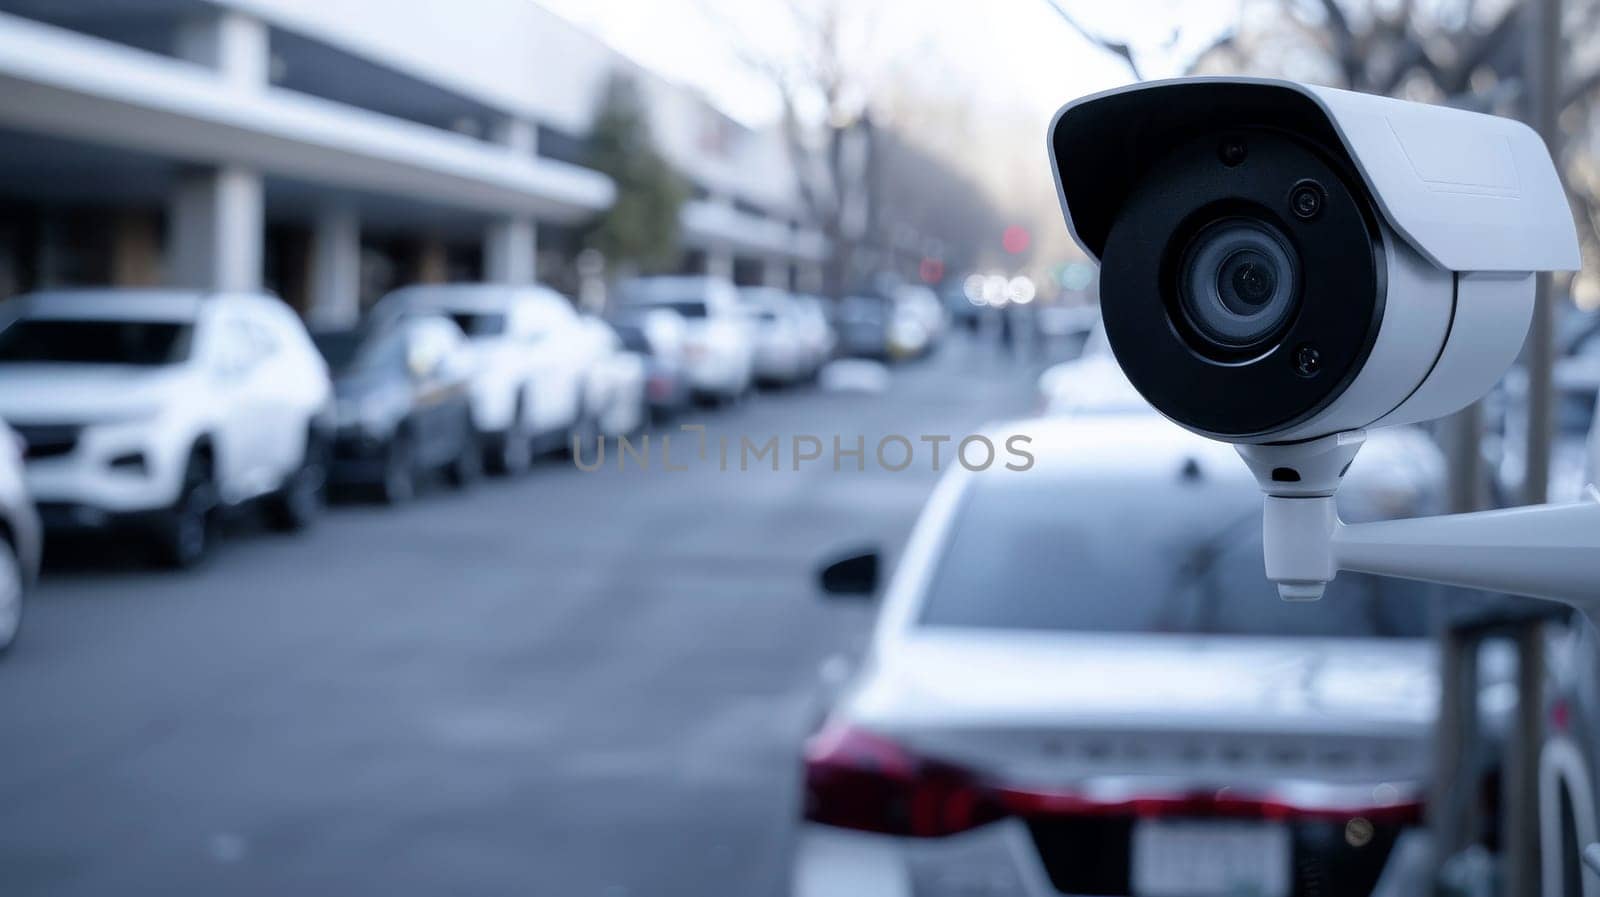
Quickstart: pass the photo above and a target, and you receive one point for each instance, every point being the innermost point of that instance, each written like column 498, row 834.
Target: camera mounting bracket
column 1541, row 551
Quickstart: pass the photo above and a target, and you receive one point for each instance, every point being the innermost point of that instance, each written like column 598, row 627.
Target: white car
column 1569, row 755
column 20, row 537
column 1574, row 382
column 922, row 305
column 156, row 408
column 783, row 354
column 533, row 356
column 815, row 331
column 1089, row 384
column 718, row 350
column 1092, row 383
column 1081, row 682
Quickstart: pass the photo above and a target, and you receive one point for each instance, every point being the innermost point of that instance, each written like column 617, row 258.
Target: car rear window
column 480, row 323
column 338, row 348
column 1113, row 556
column 685, row 308
column 633, row 338
column 142, row 343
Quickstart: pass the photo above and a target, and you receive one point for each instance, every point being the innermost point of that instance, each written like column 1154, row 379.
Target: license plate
column 1210, row 859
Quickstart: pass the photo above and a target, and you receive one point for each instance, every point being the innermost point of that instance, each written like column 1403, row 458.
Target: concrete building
column 333, row 149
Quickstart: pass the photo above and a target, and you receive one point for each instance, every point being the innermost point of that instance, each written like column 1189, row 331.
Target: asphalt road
column 568, row 684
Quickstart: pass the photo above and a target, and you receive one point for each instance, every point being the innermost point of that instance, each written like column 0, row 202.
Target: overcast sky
column 1015, row 52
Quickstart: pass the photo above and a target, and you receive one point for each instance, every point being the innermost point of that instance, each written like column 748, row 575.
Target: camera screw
column 1307, row 360
column 1306, row 200
column 1232, row 152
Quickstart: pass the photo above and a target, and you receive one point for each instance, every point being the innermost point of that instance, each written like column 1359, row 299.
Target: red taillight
column 858, row 780
column 1560, row 716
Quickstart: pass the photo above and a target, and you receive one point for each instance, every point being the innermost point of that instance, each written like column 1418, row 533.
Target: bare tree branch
column 1347, row 50
column 1480, row 51
column 1413, row 56
column 833, row 184
column 1115, row 48
column 1224, row 41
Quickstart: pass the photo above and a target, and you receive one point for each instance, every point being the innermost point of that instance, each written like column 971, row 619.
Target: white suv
column 718, row 345
column 157, row 408
column 533, row 355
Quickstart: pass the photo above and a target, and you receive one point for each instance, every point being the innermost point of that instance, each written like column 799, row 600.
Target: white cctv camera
column 1281, row 262
column 1284, row 266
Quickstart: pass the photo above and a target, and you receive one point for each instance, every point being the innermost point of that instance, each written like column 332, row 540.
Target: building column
column 719, row 262
column 335, row 269
column 215, row 230
column 511, row 245
column 509, row 250
column 235, row 45
column 518, row 135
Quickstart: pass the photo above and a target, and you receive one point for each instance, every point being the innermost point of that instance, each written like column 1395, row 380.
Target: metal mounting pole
column 1542, row 72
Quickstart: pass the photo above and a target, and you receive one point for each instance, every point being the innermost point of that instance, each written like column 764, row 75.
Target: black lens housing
column 1247, row 386
column 1238, row 286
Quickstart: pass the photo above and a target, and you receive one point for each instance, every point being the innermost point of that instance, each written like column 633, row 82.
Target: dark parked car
column 863, row 324
column 403, row 407
column 658, row 338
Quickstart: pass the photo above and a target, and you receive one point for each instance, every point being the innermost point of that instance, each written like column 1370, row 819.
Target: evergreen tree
column 640, row 230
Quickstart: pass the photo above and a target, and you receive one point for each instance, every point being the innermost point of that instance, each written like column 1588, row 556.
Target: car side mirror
column 854, row 575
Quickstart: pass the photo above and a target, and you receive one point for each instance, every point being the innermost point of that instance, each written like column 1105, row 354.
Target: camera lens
column 1239, row 283
column 1246, row 281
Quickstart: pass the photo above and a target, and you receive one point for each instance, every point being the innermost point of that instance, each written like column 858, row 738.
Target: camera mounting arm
column 1543, row 551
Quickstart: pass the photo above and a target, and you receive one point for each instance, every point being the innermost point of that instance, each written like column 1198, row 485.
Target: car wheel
column 468, row 463
column 183, row 535
column 398, row 482
column 297, row 502
column 13, row 589
column 513, row 450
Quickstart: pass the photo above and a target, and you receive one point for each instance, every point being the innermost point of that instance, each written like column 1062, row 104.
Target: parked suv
column 786, row 349
column 532, row 354
column 718, row 349
column 155, row 409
